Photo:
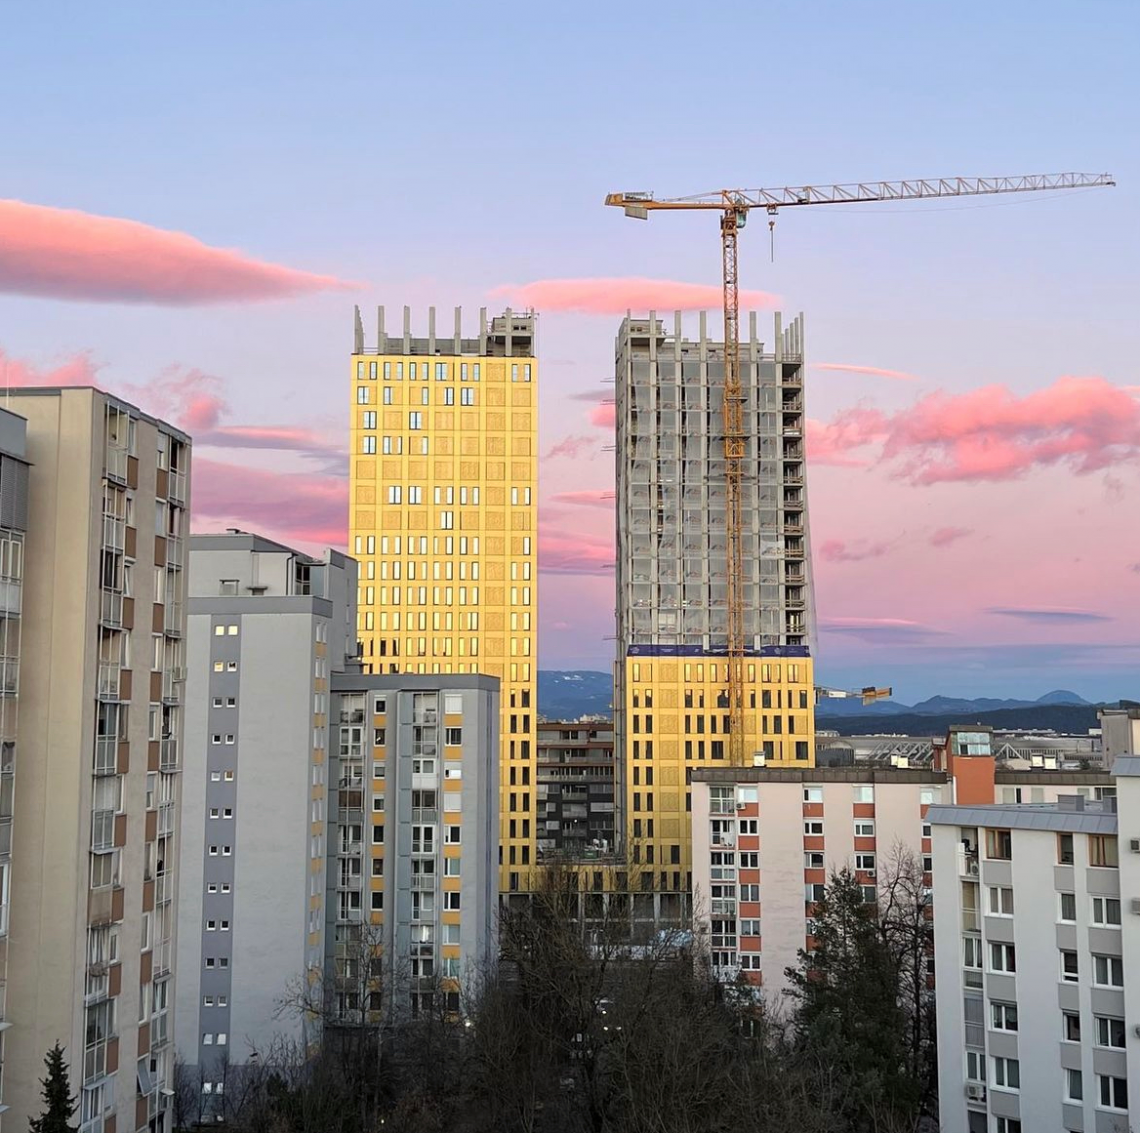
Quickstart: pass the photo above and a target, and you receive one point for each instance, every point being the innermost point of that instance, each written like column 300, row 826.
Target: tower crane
column 734, row 206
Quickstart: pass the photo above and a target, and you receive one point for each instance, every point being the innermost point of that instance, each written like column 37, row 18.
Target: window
column 1001, row 901
column 865, row 861
column 814, row 828
column 453, row 737
column 363, row 395
column 415, row 420
column 863, row 794
column 999, row 844
column 1102, row 850
column 1004, row 1016
column 972, row 952
column 467, row 396
column 813, row 860
column 452, row 836
column 394, row 493
column 451, row 867
column 1007, row 1073
column 368, row 444
column 451, row 901
column 1108, row 971
column 1071, row 1027
column 864, row 828
column 1003, row 957
column 377, row 901
column 1008, row 1125
column 1074, row 1086
column 813, row 794
column 1068, row 906
column 975, row 1066
column 1106, row 911
column 1065, row 849
column 1113, row 1092
column 1109, row 1032
column 1069, row 966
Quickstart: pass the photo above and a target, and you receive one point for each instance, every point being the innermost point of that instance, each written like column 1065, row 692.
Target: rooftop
column 1068, row 815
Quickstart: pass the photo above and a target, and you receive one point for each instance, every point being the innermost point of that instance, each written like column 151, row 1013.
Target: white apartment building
column 767, row 840
column 1037, row 948
column 268, row 627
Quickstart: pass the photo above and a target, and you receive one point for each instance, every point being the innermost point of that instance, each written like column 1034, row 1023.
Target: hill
column 567, row 694
column 1070, row 718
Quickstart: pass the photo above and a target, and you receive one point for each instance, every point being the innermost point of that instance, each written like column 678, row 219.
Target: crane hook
column 772, row 239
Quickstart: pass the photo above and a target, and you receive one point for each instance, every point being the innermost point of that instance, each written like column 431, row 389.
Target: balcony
column 168, row 754
column 111, row 611
column 108, row 680
column 172, row 620
column 968, row 863
column 11, row 597
column 176, row 486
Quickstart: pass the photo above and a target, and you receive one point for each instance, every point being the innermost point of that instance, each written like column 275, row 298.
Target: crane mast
column 734, row 206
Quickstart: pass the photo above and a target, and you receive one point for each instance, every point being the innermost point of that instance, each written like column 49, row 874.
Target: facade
column 756, row 874
column 13, row 530
column 1120, row 732
column 443, row 520
column 575, row 789
column 268, row 628
column 671, row 673
column 413, row 837
column 1037, row 948
column 94, row 836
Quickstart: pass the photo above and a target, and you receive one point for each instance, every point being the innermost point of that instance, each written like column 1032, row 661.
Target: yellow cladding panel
column 443, row 521
column 676, row 718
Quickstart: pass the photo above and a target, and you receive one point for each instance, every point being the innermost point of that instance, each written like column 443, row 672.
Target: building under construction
column 672, row 702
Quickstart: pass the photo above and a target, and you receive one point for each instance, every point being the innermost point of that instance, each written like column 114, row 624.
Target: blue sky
column 436, row 152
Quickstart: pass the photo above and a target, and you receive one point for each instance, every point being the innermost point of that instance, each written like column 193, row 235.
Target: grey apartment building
column 89, row 786
column 269, row 627
column 575, row 794
column 413, row 843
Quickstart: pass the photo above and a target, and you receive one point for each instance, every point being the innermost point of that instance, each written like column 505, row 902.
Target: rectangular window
column 453, row 737
column 1113, row 1092
column 1065, row 849
column 1001, row 901
column 813, row 794
column 415, row 420
column 1071, row 1027
column 863, row 794
column 865, row 862
column 1068, row 906
column 1108, row 971
column 813, row 860
column 451, row 901
column 1070, row 971
column 864, row 829
column 1007, row 1073
column 813, row 828
column 368, row 445
column 1106, row 911
column 1004, row 1016
column 999, row 844
column 1102, row 850
column 1110, row 1032
column 1074, row 1086
column 1003, row 957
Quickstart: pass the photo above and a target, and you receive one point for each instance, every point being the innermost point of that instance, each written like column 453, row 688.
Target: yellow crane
column 734, row 206
column 867, row 695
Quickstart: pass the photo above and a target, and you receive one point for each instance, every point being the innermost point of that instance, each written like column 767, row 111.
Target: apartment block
column 413, row 831
column 94, row 833
column 575, row 789
column 13, row 529
column 757, row 872
column 671, row 699
column 268, row 628
column 443, row 519
column 1120, row 732
column 1036, row 921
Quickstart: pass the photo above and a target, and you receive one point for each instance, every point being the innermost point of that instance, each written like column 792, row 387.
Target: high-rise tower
column 671, row 697
column 442, row 518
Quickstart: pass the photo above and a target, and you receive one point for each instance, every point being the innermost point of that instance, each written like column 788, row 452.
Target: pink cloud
column 604, row 416
column 944, row 536
column 574, row 552
column 872, row 371
column 78, row 370
column 839, row 551
column 67, row 254
column 615, row 296
column 832, row 443
column 991, row 433
column 572, row 447
column 295, row 507
column 585, row 499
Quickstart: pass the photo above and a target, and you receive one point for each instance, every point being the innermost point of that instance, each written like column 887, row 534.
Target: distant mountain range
column 569, row 694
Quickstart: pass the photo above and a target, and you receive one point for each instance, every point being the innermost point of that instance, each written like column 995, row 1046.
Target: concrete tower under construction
column 671, row 676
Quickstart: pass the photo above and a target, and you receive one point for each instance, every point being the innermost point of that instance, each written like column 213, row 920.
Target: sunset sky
column 196, row 196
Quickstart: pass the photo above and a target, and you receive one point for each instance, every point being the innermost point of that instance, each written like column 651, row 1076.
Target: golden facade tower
column 443, row 521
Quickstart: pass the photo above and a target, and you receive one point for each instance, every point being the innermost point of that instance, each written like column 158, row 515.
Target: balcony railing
column 168, row 754
column 108, row 681
column 11, row 597
column 112, row 608
column 176, row 486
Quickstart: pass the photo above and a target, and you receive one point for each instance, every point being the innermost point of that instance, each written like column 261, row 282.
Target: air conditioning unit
column 972, row 867
column 1136, row 905
column 869, row 874
column 1134, row 845
column 975, row 1091
column 741, row 806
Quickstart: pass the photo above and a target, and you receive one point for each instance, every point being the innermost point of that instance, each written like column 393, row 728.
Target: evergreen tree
column 849, row 1015
column 59, row 1104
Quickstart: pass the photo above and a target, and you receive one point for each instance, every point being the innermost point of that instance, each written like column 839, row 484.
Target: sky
column 195, row 196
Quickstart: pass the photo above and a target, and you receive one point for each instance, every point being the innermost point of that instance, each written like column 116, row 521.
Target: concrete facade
column 268, row 627
column 1037, row 949
column 413, row 843
column 575, row 789
column 671, row 670
column 94, row 835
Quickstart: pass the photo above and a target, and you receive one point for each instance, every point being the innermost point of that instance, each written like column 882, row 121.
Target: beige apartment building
column 94, row 794
column 766, row 840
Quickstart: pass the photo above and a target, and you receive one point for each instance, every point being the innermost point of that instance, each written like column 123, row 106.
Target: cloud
column 78, row 370
column 833, row 443
column 944, row 536
column 616, row 296
column 886, row 631
column 991, row 434
column 1047, row 615
column 838, row 551
column 295, row 507
column 592, row 395
column 872, row 371
column 585, row 499
column 572, row 447
column 574, row 552
column 67, row 254
column 1135, row 568
column 604, row 416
